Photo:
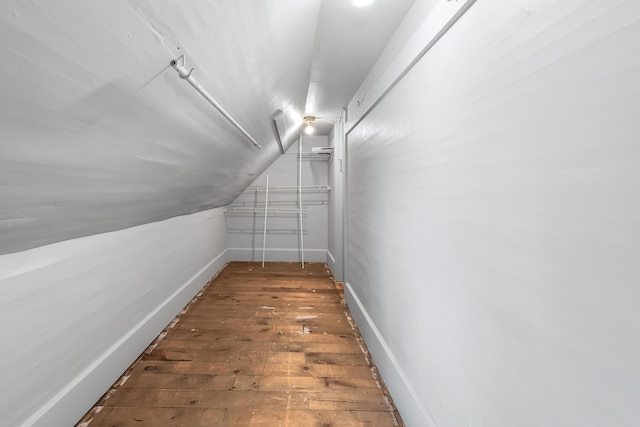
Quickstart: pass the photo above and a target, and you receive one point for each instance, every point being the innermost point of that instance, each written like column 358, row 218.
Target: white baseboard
column 330, row 258
column 409, row 404
column 331, row 263
column 276, row 255
column 74, row 400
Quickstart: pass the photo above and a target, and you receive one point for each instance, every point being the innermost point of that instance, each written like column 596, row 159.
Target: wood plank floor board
column 271, row 383
column 155, row 417
column 271, row 346
column 274, row 418
column 185, row 381
column 206, row 368
column 243, row 368
column 252, row 345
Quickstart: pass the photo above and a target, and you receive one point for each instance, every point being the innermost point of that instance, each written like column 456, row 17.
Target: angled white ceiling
column 349, row 41
column 99, row 133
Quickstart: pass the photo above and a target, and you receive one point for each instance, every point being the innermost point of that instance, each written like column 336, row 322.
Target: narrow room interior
column 460, row 177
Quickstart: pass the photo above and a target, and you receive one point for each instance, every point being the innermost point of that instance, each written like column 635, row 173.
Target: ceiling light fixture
column 308, row 124
column 362, row 3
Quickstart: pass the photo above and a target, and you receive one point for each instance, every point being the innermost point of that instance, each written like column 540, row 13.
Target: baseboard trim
column 276, row 255
column 330, row 258
column 331, row 263
column 409, row 404
column 75, row 399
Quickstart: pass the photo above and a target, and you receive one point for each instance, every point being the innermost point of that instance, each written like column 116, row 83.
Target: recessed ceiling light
column 362, row 3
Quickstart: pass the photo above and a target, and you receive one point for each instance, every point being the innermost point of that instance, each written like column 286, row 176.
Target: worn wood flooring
column 257, row 347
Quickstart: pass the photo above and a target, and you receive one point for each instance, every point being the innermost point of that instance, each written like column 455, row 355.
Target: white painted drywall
column 75, row 314
column 245, row 231
column 98, row 133
column 494, row 220
column 349, row 41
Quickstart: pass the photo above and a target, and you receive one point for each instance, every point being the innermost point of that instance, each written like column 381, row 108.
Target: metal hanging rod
column 262, row 210
column 300, row 202
column 266, row 210
column 307, row 188
column 314, row 156
column 179, row 66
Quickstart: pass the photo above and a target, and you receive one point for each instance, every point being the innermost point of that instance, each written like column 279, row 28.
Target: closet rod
column 300, row 201
column 290, row 188
column 261, row 210
column 266, row 209
column 186, row 75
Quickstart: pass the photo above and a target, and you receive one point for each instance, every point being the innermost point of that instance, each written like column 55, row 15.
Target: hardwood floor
column 257, row 347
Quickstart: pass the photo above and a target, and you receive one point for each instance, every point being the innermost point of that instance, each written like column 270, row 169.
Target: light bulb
column 308, row 121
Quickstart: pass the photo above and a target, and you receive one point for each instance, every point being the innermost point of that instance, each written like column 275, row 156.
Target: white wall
column 493, row 220
column 75, row 314
column 245, row 231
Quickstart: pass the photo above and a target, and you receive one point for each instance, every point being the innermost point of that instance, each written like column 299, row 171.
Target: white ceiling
column 349, row 40
column 99, row 133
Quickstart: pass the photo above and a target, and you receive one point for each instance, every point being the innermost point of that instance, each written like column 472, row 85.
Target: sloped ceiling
column 99, row 133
